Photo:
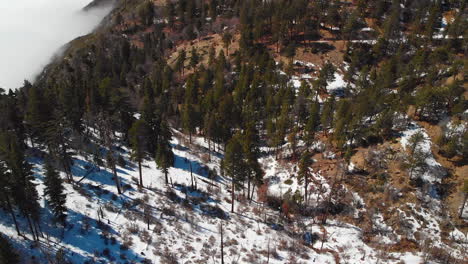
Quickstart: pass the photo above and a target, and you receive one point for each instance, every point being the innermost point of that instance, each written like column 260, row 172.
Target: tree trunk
column 268, row 252
column 165, row 176
column 10, row 209
column 116, row 179
column 253, row 191
column 31, row 228
column 191, row 175
column 38, row 229
column 66, row 166
column 248, row 187
column 209, row 149
column 222, row 244
column 460, row 215
column 243, row 188
column 139, row 169
column 232, row 195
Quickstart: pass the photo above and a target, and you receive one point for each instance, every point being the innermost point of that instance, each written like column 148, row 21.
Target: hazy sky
column 31, row 31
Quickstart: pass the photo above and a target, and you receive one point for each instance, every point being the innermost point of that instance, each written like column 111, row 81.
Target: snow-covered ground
column 185, row 222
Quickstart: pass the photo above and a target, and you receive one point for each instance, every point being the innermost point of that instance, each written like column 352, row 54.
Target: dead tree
column 337, row 191
column 107, row 136
column 222, row 242
column 465, row 198
column 147, row 214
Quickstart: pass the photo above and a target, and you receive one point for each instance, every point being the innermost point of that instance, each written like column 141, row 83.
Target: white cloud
column 31, row 31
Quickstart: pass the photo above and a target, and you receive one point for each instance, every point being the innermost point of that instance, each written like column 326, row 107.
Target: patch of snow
column 435, row 171
column 338, row 83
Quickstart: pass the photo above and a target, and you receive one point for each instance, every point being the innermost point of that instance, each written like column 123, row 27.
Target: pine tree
column 327, row 113
column 212, row 11
column 416, row 159
column 219, row 85
column 54, row 190
column 250, row 142
column 333, row 15
column 234, row 164
column 209, row 128
column 188, row 120
column 351, row 25
column 150, row 114
column 194, row 57
column 107, row 136
column 342, row 119
column 146, row 13
column 180, row 62
column 24, row 190
column 57, row 142
column 169, row 12
column 164, row 155
column 211, row 55
column 312, row 123
column 138, row 142
column 6, row 192
column 282, row 126
column 227, row 39
column 304, row 171
column 392, row 22
column 36, row 114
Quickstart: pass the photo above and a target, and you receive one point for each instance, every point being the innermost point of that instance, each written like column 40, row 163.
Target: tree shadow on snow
column 96, row 239
column 94, row 173
column 197, row 168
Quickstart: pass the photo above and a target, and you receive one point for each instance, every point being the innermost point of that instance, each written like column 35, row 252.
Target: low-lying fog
column 31, row 31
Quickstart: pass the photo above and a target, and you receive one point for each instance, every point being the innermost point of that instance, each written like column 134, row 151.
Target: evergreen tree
column 327, row 114
column 194, row 57
column 138, row 142
column 150, row 114
column 234, row 164
column 36, row 114
column 146, row 12
column 189, row 120
column 209, row 128
column 164, row 155
column 250, row 142
column 312, row 123
column 54, row 190
column 24, row 193
column 6, row 189
column 107, row 137
column 227, row 39
column 169, row 12
column 180, row 62
column 282, row 125
column 58, row 144
column 304, row 173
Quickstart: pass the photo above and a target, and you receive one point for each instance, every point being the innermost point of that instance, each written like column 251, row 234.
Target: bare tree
column 147, row 214
column 337, row 191
column 465, row 198
column 222, row 242
column 108, row 138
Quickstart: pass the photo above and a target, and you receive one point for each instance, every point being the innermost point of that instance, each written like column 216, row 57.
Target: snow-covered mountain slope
column 176, row 223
